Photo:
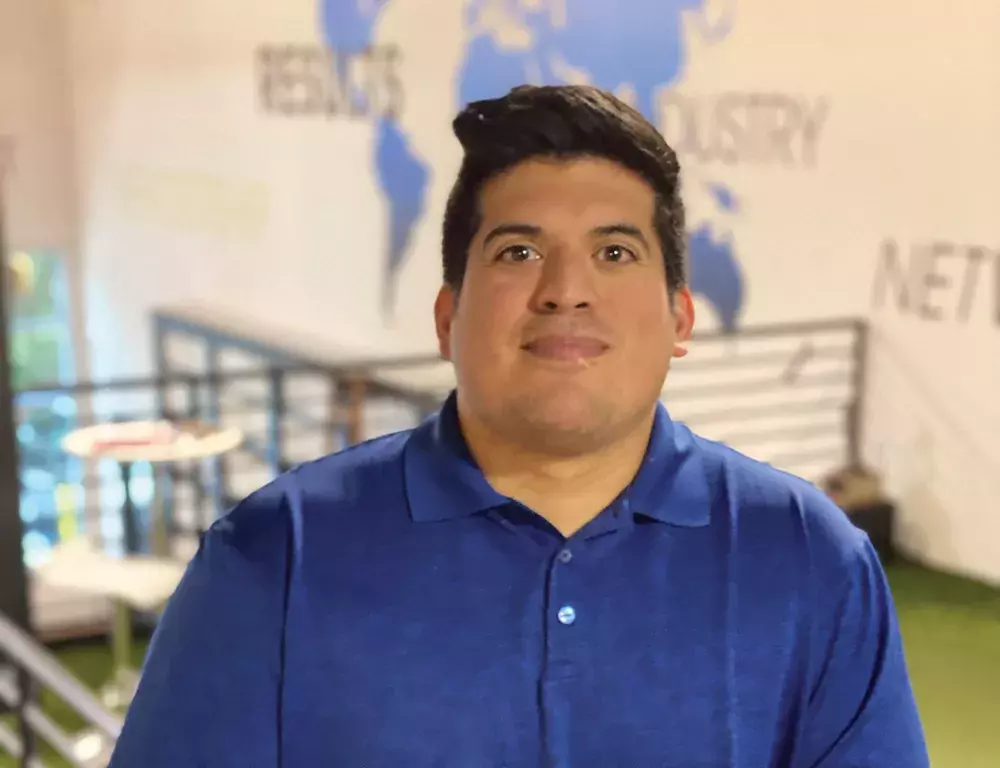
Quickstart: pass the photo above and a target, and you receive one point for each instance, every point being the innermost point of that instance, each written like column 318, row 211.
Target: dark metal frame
column 34, row 667
column 13, row 580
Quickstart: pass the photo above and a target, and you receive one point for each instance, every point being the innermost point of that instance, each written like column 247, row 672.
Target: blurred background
column 221, row 224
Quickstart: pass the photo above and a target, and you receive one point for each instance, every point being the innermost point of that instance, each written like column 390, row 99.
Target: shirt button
column 567, row 615
column 565, row 556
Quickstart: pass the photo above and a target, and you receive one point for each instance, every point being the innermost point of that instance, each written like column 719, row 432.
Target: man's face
column 564, row 330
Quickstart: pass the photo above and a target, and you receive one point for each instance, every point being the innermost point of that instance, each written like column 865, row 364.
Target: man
column 550, row 571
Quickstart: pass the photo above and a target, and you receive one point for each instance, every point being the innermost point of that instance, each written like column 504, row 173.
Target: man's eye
column 616, row 254
column 514, row 253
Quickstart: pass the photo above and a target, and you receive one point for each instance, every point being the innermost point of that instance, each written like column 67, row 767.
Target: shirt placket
column 561, row 670
column 566, row 626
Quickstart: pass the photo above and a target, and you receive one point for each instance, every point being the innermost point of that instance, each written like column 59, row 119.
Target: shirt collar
column 443, row 481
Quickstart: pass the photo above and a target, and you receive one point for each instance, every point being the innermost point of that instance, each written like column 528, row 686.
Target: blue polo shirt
column 386, row 607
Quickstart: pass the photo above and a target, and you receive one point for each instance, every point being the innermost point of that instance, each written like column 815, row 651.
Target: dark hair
column 561, row 122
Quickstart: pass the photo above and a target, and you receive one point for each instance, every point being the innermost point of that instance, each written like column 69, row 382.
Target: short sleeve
column 861, row 711
column 210, row 689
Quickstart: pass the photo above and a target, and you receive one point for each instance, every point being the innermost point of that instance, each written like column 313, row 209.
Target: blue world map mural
column 639, row 44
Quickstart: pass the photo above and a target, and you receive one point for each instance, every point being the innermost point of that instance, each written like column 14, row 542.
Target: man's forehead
column 552, row 171
column 588, row 192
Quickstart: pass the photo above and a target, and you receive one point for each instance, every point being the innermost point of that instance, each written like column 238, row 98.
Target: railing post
column 165, row 477
column 336, row 402
column 213, row 415
column 193, row 411
column 856, row 408
column 275, row 419
column 354, row 411
column 26, row 694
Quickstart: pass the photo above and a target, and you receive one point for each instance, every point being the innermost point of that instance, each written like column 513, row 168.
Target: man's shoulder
column 358, row 476
column 767, row 503
column 345, row 473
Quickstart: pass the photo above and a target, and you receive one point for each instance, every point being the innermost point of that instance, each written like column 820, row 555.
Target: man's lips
column 562, row 347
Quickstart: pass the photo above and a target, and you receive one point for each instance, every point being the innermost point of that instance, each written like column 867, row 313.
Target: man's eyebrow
column 512, row 228
column 533, row 230
column 621, row 228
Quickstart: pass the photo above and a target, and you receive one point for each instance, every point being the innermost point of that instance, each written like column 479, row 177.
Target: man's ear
column 444, row 314
column 683, row 320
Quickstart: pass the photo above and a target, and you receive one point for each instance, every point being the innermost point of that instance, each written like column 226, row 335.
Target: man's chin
column 566, row 419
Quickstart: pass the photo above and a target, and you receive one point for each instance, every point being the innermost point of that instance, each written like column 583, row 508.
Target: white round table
column 156, row 442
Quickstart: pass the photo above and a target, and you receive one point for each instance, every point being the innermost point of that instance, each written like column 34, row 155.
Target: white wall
column 37, row 183
column 191, row 191
column 36, row 138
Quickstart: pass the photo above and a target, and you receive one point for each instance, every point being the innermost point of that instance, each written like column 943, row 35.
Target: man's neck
column 568, row 491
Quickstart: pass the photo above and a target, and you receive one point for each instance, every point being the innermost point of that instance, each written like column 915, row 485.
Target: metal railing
column 790, row 393
column 25, row 667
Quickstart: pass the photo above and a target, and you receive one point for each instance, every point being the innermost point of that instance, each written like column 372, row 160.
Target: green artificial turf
column 951, row 629
column 951, row 632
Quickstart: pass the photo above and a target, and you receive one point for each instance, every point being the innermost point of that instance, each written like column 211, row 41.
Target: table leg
column 117, row 694
column 159, row 518
column 121, row 638
column 130, row 525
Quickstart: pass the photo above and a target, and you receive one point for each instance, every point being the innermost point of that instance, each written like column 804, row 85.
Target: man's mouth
column 566, row 347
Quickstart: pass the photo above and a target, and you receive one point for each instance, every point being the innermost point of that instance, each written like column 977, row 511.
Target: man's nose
column 565, row 282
